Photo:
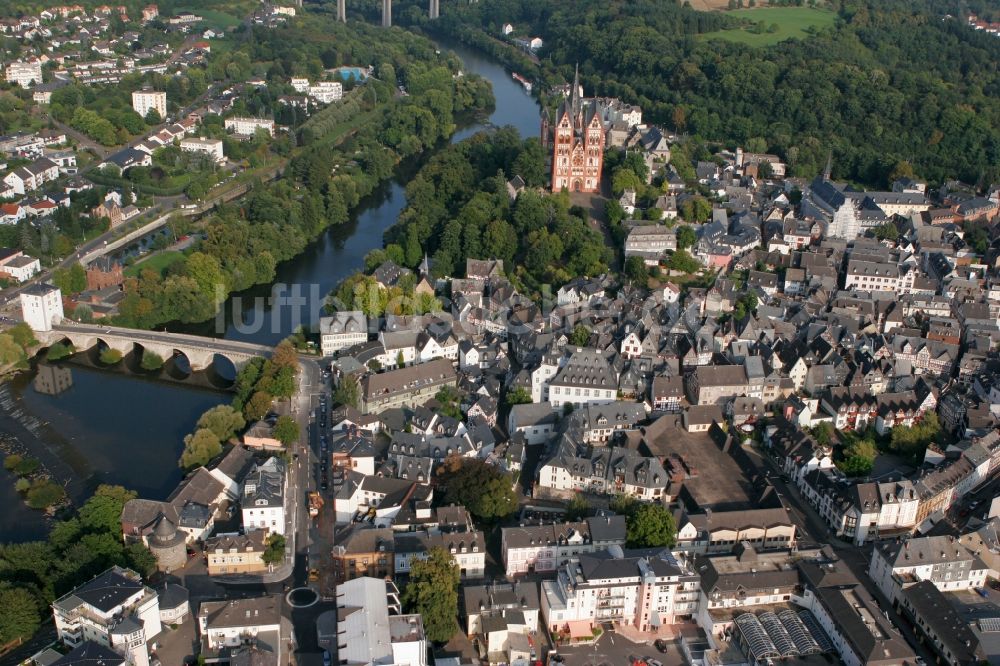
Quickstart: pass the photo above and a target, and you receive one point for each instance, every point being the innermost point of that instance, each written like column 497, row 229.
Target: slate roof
column 238, row 613
column 105, row 592
column 90, row 653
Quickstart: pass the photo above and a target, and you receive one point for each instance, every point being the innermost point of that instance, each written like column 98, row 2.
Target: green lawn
column 213, row 18
column 158, row 262
column 792, row 23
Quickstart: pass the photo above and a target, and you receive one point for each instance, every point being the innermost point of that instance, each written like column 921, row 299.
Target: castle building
column 577, row 140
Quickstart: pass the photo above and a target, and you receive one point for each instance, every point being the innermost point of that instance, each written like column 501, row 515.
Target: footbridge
column 199, row 351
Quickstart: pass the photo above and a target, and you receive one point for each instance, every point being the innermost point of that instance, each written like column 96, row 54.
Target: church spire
column 829, row 166
column 425, row 266
column 575, row 93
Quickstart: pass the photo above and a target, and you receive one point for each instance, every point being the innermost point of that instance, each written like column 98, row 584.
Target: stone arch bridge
column 199, row 351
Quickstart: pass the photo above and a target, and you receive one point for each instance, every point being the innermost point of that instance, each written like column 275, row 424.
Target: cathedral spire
column 829, row 166
column 575, row 93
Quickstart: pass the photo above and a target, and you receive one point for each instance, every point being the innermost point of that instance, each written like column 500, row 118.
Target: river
column 251, row 316
column 114, row 428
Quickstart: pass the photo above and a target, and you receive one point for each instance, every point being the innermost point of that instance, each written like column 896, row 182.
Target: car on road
column 326, row 658
column 322, row 484
column 660, row 644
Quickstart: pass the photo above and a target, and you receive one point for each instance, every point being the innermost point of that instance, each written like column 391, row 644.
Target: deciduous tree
column 485, row 490
column 432, row 591
column 200, row 448
column 286, row 430
column 19, row 619
column 348, row 392
column 223, row 421
column 650, row 526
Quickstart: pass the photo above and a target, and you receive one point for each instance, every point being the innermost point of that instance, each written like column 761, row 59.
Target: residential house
column 226, row 628
column 541, row 548
column 942, row 560
column 407, row 386
column 343, row 329
column 114, row 609
column 263, row 497
column 361, row 551
column 236, row 553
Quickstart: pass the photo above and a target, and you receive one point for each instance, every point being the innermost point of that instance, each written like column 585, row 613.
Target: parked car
column 660, row 644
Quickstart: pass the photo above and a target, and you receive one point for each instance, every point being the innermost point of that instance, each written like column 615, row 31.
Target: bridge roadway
column 200, row 351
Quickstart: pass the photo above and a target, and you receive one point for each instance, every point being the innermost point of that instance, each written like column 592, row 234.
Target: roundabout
column 302, row 597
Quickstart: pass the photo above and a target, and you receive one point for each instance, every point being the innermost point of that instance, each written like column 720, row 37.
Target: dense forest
column 324, row 180
column 891, row 83
column 458, row 206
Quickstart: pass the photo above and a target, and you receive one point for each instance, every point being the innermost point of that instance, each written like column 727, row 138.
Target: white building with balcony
column 25, row 73
column 247, row 127
column 114, row 609
column 211, row 147
column 645, row 591
column 144, row 101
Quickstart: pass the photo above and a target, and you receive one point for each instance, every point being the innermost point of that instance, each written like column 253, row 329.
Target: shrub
column 44, row 493
column 110, row 356
column 150, row 360
column 59, row 351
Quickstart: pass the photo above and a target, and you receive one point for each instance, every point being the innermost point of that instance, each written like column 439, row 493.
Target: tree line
column 890, row 82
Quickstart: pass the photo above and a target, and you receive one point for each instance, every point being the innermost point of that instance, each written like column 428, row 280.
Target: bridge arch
column 123, row 347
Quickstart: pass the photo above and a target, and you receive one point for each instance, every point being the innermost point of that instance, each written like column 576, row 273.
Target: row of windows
column 598, row 393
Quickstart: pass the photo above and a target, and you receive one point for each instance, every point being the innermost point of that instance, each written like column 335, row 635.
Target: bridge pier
column 434, row 11
column 342, row 11
column 199, row 360
column 386, row 13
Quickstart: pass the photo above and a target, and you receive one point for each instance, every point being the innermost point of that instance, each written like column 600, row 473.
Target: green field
column 158, row 262
column 792, row 23
column 214, row 18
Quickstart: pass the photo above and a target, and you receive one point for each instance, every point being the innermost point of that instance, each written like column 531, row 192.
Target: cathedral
column 577, row 141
